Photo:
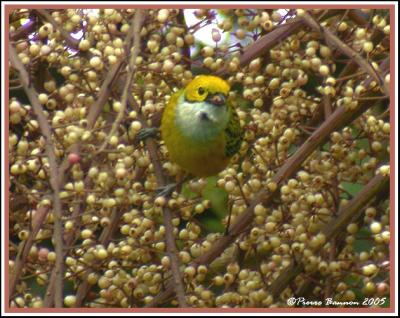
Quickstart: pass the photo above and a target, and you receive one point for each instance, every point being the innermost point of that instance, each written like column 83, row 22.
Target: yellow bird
column 200, row 127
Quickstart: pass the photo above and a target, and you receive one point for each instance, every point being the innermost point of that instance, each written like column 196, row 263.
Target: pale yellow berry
column 43, row 98
column 70, row 300
column 324, row 70
column 368, row 46
column 163, row 15
column 86, row 233
column 95, row 61
column 375, row 227
column 84, row 45
column 370, row 269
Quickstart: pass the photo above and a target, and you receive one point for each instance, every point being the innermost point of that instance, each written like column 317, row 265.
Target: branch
column 266, row 42
column 69, row 39
column 137, row 26
column 25, row 247
column 358, row 18
column 326, row 100
column 185, row 48
column 347, row 50
column 177, row 284
column 351, row 67
column 23, row 31
column 97, row 107
column 105, row 237
column 94, row 112
column 68, row 241
column 346, row 214
column 54, row 169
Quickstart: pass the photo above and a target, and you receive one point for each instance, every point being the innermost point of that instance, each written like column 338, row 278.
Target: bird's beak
column 217, row 99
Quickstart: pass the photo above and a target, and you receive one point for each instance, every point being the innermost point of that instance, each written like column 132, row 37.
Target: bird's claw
column 145, row 133
column 166, row 190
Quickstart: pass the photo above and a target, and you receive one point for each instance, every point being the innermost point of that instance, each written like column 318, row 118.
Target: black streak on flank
column 204, row 116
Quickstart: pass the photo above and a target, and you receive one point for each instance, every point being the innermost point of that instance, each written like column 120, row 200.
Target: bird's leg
column 145, row 133
column 228, row 225
column 167, row 190
column 184, row 177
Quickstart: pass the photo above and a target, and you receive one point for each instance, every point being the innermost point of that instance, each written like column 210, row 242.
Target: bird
column 200, row 127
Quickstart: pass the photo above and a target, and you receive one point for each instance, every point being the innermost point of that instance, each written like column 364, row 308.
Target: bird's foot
column 166, row 190
column 145, row 133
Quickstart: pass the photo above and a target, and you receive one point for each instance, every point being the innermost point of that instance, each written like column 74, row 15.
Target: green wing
column 233, row 133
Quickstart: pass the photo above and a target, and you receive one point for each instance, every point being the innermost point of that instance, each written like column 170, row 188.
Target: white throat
column 200, row 121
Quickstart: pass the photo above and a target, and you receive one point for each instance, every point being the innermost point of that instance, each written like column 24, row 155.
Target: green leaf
column 186, row 191
column 292, row 149
column 107, row 107
column 362, row 242
column 218, row 197
column 211, row 218
column 352, row 188
column 211, row 223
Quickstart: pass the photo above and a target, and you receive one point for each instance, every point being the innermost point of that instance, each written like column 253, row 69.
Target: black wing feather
column 233, row 133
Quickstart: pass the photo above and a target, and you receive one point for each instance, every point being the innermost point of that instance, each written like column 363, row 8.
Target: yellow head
column 202, row 86
column 201, row 112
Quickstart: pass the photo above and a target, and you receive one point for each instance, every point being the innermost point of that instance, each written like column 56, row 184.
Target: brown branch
column 97, row 107
column 327, row 106
column 25, row 247
column 94, row 112
column 69, row 39
column 177, row 283
column 54, row 169
column 23, row 31
column 169, row 237
column 332, row 39
column 356, row 16
column 346, row 214
column 137, row 27
column 185, row 48
column 350, row 68
column 340, row 118
column 266, row 42
column 68, row 241
column 338, row 243
column 105, row 237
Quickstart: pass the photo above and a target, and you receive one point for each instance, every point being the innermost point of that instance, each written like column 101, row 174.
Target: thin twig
column 265, row 43
column 137, row 26
column 350, row 68
column 54, row 169
column 372, row 98
column 172, row 250
column 69, row 39
column 346, row 215
column 107, row 233
column 104, row 239
column 327, row 106
column 68, row 241
column 185, row 48
column 23, row 31
column 332, row 39
column 97, row 107
column 25, row 247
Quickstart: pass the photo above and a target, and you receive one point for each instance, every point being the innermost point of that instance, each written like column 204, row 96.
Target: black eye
column 201, row 91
